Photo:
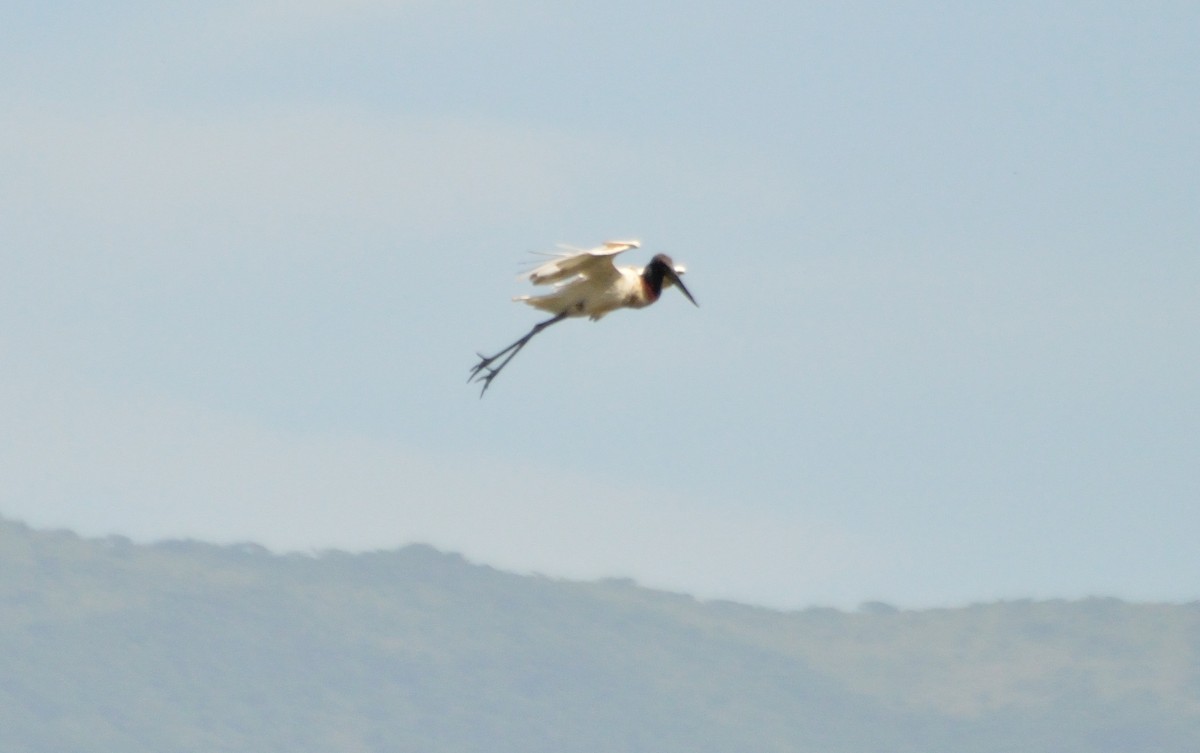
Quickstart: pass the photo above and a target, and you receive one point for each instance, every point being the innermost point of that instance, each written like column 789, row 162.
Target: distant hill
column 110, row 646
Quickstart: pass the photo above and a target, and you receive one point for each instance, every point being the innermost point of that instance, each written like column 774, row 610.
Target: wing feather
column 594, row 264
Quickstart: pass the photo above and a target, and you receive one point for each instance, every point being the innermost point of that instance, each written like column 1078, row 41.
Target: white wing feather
column 592, row 264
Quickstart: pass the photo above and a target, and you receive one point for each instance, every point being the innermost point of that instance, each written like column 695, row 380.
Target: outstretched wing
column 593, row 264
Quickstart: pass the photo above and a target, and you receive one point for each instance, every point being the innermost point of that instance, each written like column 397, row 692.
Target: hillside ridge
column 183, row 645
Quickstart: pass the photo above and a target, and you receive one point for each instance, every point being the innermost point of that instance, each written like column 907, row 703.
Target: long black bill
column 674, row 277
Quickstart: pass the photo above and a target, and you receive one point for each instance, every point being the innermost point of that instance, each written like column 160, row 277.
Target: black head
column 662, row 272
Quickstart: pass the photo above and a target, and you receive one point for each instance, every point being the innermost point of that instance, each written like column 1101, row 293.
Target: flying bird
column 586, row 283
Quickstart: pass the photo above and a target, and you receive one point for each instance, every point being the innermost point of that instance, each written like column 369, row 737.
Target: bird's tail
column 551, row 302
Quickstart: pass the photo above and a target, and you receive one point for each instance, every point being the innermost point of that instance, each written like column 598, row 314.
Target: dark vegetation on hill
column 110, row 646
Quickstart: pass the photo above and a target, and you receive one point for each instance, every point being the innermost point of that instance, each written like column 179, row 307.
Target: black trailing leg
column 485, row 372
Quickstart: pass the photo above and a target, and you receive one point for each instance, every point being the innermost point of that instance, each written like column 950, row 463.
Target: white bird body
column 586, row 283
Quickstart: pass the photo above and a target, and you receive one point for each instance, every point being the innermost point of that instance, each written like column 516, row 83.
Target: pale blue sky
column 947, row 256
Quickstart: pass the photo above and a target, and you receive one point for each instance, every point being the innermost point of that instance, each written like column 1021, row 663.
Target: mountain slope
column 110, row 646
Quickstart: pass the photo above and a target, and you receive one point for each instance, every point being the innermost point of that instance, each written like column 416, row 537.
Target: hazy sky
column 947, row 257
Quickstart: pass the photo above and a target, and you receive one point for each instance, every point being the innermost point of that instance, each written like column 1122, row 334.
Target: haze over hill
column 106, row 645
